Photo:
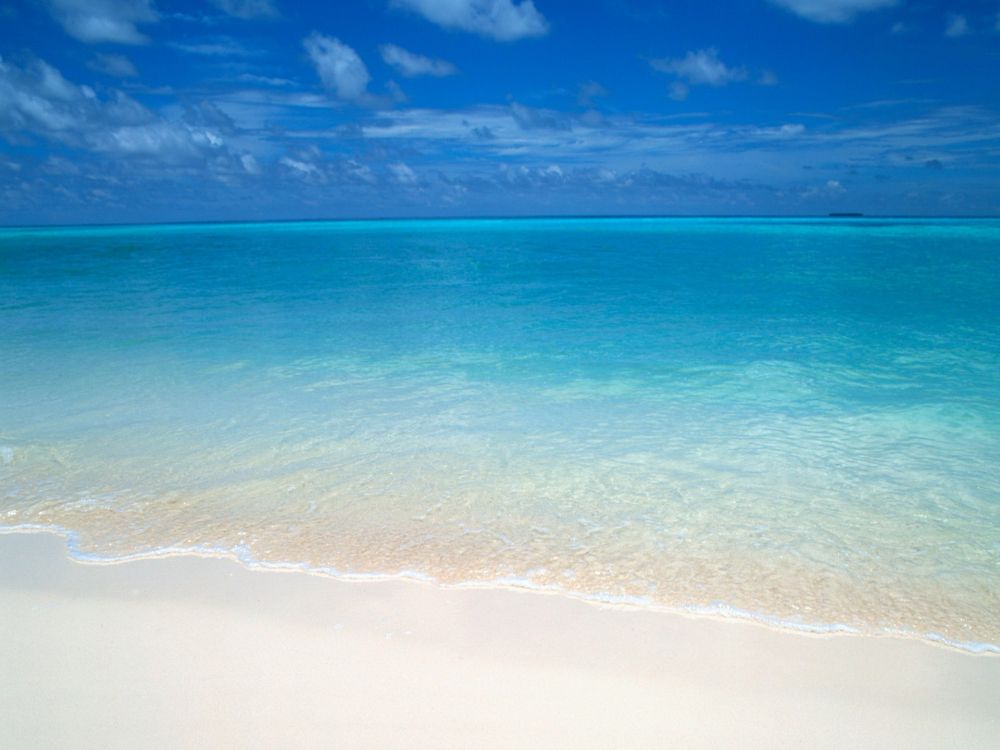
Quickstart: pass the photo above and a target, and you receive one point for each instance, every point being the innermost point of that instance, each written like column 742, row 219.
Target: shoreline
column 185, row 651
column 720, row 612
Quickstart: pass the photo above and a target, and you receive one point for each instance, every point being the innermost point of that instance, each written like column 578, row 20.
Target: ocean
column 790, row 420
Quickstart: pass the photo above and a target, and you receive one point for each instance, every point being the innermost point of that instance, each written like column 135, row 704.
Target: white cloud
column 832, row 11
column 94, row 21
column 117, row 66
column 700, row 68
column 503, row 20
column 161, row 138
column 215, row 46
column 957, row 26
column 265, row 80
column 402, row 174
column 247, row 9
column 38, row 98
column 299, row 166
column 411, row 64
column 725, row 150
column 523, row 176
column 37, row 101
column 250, row 165
column 311, row 166
column 339, row 67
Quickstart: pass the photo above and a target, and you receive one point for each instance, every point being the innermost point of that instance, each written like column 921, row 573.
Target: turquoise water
column 797, row 420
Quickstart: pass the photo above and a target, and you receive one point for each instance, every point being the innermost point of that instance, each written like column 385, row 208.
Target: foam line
column 241, row 554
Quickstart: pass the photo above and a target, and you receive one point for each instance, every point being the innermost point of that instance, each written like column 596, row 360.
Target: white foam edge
column 717, row 610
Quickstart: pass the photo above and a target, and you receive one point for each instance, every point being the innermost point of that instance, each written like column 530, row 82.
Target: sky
column 116, row 111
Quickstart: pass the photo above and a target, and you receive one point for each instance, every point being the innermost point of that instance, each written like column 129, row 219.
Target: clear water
column 795, row 419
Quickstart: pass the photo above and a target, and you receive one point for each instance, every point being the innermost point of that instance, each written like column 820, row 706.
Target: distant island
column 845, row 215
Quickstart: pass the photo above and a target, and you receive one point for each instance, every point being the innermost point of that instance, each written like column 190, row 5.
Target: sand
column 193, row 652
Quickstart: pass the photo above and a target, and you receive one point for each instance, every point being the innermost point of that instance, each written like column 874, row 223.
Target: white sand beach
column 193, row 652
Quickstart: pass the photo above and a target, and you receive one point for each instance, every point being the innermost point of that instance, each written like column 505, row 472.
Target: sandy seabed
column 194, row 652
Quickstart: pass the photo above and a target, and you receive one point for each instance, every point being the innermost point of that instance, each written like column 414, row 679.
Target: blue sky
column 147, row 110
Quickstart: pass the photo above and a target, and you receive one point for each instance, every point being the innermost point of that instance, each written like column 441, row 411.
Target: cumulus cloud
column 701, row 68
column 36, row 101
column 247, row 9
column 341, row 70
column 834, row 187
column 503, row 20
column 523, row 176
column 170, row 141
column 791, row 130
column 311, row 166
column 249, row 164
column 832, row 11
column 39, row 99
column 402, row 174
column 411, row 64
column 95, row 21
column 117, row 66
column 957, row 26
column 299, row 166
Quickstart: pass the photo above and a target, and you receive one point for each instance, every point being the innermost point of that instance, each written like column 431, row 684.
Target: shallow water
column 793, row 418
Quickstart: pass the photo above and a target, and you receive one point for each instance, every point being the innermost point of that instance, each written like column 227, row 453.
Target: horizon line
column 839, row 216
